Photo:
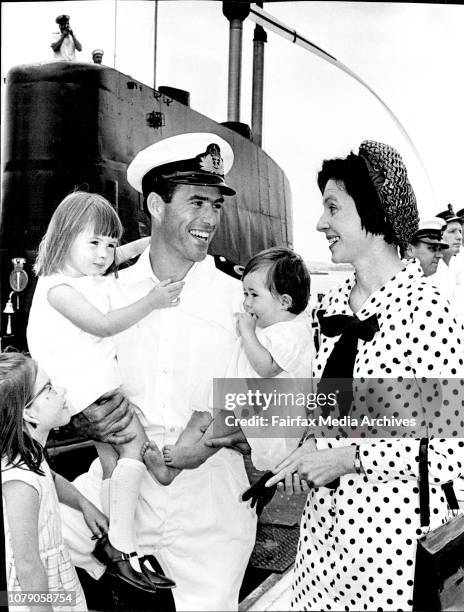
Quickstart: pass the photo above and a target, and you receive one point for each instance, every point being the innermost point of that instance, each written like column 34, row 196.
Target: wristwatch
column 357, row 461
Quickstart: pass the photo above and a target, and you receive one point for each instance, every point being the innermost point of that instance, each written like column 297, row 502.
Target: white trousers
column 197, row 527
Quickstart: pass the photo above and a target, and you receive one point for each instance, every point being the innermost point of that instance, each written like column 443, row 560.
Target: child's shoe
column 118, row 565
column 154, row 572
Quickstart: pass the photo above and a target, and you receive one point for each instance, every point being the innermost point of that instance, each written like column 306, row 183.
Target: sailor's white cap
column 198, row 158
column 431, row 232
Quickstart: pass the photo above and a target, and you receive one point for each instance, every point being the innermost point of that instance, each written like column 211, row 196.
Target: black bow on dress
column 340, row 364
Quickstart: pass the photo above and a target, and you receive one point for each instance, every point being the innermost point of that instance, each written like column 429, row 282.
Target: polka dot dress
column 358, row 542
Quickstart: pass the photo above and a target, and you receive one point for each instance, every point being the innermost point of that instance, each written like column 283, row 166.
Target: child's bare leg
column 108, row 459
column 146, row 452
column 137, row 451
column 195, row 428
column 154, row 461
column 192, row 433
column 190, row 457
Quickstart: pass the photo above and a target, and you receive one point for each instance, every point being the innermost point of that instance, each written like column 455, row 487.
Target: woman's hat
column 390, row 179
column 62, row 19
column 190, row 159
column 431, row 232
column 449, row 215
column 460, row 214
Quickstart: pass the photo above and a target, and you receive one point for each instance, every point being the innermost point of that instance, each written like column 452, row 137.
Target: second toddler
column 275, row 341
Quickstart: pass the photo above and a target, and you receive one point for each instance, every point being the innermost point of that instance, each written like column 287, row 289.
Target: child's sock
column 105, row 496
column 124, row 493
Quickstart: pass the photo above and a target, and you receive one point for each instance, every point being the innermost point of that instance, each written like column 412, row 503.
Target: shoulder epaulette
column 228, row 267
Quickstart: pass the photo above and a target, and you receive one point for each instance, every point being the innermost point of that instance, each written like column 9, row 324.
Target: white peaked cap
column 186, row 158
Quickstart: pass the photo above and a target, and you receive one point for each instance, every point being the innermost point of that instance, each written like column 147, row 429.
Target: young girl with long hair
column 37, row 559
column 69, row 334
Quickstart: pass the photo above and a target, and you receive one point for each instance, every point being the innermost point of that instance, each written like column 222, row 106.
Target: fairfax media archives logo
column 340, row 407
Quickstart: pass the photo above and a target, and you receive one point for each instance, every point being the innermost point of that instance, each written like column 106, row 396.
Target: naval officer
column 427, row 245
column 450, row 273
column 198, row 529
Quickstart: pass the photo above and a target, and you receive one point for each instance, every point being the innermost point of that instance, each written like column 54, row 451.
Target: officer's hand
column 106, row 418
column 235, row 441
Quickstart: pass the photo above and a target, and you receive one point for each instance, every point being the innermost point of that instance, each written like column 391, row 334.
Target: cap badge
column 211, row 161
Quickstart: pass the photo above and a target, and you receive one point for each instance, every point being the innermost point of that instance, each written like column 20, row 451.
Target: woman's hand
column 96, row 521
column 287, row 470
column 325, row 466
column 316, row 468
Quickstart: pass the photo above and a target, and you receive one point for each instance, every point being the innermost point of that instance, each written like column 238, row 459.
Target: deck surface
column 273, row 594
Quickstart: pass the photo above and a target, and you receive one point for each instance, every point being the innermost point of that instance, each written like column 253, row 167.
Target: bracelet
column 357, row 461
column 308, row 433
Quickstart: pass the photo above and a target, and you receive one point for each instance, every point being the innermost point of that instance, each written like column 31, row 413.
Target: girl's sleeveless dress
column 62, row 577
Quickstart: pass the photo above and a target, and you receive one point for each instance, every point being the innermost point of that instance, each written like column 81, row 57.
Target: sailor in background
column 97, row 56
column 65, row 43
column 457, row 263
column 198, row 529
column 450, row 271
column 428, row 246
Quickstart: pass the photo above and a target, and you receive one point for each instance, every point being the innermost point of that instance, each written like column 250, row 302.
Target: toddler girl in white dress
column 69, row 334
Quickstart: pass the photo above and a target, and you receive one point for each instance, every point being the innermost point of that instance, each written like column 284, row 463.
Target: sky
column 410, row 54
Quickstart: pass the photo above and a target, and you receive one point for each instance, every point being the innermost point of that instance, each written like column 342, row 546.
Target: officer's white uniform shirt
column 450, row 281
column 67, row 51
column 457, row 271
column 174, row 351
column 199, row 530
column 442, row 279
column 457, row 266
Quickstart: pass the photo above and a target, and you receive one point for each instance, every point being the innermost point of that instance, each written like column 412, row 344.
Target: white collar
column 142, row 269
column 411, row 272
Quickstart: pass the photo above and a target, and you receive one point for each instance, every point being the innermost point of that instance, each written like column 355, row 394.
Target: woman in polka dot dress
column 358, row 534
